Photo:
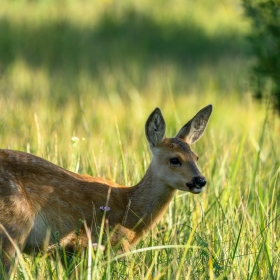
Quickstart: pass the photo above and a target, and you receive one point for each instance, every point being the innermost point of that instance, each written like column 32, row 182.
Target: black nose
column 199, row 181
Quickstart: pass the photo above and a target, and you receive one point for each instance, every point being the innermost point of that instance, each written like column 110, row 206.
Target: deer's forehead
column 177, row 145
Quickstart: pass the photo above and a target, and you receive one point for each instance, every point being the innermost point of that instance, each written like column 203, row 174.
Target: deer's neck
column 147, row 202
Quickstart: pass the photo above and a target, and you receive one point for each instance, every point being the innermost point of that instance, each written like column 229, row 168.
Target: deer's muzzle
column 197, row 184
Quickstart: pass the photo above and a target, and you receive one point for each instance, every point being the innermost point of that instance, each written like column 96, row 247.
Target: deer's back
column 34, row 189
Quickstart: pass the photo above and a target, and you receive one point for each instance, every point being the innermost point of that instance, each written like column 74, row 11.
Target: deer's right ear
column 194, row 129
column 155, row 128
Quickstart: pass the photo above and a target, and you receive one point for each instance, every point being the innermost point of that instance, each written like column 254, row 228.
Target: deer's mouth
column 193, row 188
column 196, row 185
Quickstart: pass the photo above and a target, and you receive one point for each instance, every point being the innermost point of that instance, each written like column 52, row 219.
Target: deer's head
column 173, row 160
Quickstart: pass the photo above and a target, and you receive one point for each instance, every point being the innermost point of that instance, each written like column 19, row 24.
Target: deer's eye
column 175, row 162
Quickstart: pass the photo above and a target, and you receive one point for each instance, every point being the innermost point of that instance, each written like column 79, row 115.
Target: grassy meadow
column 78, row 80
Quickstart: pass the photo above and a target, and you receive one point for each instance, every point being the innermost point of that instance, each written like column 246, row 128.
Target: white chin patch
column 197, row 190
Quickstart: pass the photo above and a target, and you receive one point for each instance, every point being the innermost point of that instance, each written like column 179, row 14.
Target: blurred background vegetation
column 71, row 64
column 104, row 46
column 265, row 39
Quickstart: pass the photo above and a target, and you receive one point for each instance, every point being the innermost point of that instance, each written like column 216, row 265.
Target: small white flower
column 75, row 139
column 99, row 247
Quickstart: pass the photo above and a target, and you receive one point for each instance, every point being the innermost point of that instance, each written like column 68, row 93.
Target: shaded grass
column 134, row 37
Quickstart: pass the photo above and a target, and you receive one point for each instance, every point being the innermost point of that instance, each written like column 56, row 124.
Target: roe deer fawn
column 38, row 197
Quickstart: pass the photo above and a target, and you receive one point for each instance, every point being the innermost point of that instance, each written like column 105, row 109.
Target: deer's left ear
column 155, row 128
column 194, row 129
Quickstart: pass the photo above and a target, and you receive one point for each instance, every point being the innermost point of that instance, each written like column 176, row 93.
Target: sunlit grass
column 229, row 230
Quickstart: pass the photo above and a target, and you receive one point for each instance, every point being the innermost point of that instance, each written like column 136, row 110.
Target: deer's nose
column 199, row 181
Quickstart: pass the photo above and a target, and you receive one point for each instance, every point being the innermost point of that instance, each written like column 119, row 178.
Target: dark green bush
column 265, row 39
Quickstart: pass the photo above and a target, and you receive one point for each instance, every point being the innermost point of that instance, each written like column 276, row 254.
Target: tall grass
column 78, row 80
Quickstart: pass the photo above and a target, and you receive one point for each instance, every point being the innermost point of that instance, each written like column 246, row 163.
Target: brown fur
column 38, row 198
